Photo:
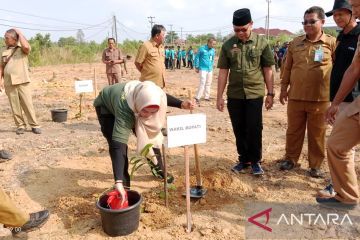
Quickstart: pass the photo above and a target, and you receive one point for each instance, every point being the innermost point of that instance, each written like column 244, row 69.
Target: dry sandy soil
column 67, row 167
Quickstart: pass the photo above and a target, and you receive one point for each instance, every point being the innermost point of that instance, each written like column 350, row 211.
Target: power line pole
column 151, row 21
column 268, row 20
column 181, row 33
column 115, row 29
column 171, row 34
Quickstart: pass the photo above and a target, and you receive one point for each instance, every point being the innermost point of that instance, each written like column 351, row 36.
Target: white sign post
column 185, row 130
column 83, row 86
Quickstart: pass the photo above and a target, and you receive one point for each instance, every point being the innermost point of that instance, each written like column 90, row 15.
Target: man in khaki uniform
column 14, row 70
column 151, row 57
column 307, row 71
column 17, row 220
column 112, row 58
column 344, row 136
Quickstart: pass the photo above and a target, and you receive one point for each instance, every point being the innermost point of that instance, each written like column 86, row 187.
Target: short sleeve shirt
column 112, row 54
column 16, row 70
column 245, row 61
column 308, row 75
column 152, row 58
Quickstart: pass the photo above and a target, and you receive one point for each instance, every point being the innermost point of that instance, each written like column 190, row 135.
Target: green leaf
column 145, row 151
column 171, row 187
column 162, row 195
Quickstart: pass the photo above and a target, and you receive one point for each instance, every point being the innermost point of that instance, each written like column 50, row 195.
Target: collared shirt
column 308, row 77
column 179, row 54
column 183, row 53
column 152, row 58
column 190, row 55
column 245, row 61
column 344, row 53
column 17, row 68
column 167, row 53
column 172, row 54
column 204, row 59
column 112, row 54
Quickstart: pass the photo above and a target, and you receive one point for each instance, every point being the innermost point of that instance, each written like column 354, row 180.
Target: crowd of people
column 318, row 84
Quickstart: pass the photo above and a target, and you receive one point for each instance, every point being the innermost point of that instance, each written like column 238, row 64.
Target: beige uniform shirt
column 152, row 58
column 309, row 77
column 16, row 70
column 112, row 54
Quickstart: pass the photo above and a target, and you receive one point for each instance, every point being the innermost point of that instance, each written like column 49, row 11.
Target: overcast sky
column 61, row 18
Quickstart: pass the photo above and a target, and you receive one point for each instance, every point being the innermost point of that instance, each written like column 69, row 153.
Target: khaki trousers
column 20, row 100
column 113, row 78
column 310, row 116
column 344, row 136
column 10, row 215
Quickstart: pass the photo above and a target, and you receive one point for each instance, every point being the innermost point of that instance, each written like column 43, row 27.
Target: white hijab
column 148, row 130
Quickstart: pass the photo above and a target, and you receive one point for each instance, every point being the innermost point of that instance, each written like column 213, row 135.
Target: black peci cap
column 241, row 17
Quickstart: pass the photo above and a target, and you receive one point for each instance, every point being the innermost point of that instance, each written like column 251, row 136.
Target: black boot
column 158, row 169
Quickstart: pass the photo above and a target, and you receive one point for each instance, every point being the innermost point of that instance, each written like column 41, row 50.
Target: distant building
column 273, row 32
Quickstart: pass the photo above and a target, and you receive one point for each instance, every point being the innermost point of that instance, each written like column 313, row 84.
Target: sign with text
column 186, row 129
column 84, row 86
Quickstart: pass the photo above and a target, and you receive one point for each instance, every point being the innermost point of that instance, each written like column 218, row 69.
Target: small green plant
column 142, row 159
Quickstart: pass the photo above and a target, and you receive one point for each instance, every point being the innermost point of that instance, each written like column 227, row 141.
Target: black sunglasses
column 311, row 22
column 241, row 29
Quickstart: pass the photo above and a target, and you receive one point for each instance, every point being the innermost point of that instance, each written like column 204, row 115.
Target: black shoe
column 37, row 219
column 316, row 173
column 5, row 156
column 36, row 130
column 240, row 167
column 287, row 165
column 334, row 203
column 327, row 192
column 20, row 131
column 257, row 170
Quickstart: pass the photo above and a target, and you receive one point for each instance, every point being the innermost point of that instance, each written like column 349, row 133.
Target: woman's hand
column 120, row 188
column 188, row 104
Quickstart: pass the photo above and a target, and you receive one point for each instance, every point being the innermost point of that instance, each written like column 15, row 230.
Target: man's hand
column 188, row 104
column 269, row 102
column 120, row 188
column 331, row 113
column 283, row 96
column 220, row 104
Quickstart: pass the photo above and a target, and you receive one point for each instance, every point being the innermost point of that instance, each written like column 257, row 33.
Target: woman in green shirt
column 134, row 105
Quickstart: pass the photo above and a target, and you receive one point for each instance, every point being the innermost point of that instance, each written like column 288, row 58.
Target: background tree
column 171, row 37
column 80, row 36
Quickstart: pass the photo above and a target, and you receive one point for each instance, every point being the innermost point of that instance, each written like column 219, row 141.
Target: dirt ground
column 67, row 167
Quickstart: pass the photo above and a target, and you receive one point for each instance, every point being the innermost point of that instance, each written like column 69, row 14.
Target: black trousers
column 190, row 64
column 246, row 119
column 178, row 63
column 167, row 63
column 118, row 151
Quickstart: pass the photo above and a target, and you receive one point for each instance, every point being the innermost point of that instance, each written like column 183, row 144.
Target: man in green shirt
column 245, row 62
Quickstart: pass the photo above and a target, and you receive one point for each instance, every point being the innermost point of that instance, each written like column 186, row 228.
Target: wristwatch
column 270, row 94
